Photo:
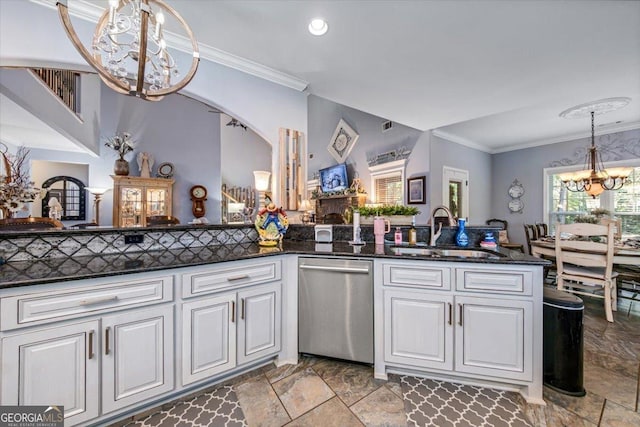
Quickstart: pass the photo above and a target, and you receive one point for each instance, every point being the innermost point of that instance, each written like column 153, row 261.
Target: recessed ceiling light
column 318, row 26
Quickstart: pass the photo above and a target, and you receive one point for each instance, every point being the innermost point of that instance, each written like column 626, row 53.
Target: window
column 564, row 206
column 387, row 183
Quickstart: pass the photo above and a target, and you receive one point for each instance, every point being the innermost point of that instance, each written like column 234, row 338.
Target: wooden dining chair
column 542, row 229
column 617, row 222
column 531, row 233
column 503, row 235
column 584, row 262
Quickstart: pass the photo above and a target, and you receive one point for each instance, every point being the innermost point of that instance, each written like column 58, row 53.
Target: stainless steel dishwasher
column 335, row 308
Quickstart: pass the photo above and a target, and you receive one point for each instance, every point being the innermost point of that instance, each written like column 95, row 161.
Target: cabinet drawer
column 35, row 308
column 499, row 281
column 236, row 274
column 417, row 275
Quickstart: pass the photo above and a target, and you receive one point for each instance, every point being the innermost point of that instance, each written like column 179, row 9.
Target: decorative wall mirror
column 70, row 192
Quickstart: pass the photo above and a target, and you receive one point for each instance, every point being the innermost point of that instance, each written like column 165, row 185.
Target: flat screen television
column 334, row 178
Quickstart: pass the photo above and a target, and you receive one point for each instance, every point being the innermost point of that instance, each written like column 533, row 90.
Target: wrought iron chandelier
column 595, row 179
column 129, row 48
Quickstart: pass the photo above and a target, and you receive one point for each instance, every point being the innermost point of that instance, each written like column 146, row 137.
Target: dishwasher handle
column 355, row 270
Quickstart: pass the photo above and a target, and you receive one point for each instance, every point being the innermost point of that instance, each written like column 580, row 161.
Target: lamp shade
column 262, row 180
column 97, row 190
column 305, row 205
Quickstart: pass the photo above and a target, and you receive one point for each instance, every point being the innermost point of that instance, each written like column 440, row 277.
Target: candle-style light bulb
column 159, row 23
column 113, row 5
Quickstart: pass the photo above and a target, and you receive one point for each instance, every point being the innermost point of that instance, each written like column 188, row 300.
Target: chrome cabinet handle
column 236, row 278
column 460, row 307
column 98, row 300
column 336, row 269
column 91, row 333
column 450, row 313
column 106, row 340
column 233, row 311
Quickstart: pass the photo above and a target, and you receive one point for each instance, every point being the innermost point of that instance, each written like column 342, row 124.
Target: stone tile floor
column 322, row 392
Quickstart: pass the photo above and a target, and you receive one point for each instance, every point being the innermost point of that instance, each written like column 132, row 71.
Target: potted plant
column 396, row 214
column 121, row 144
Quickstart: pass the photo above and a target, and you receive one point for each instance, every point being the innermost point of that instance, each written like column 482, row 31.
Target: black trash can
column 563, row 342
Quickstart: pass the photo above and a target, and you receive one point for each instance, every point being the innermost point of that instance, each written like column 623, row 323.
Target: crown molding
column 90, row 12
column 571, row 137
column 459, row 140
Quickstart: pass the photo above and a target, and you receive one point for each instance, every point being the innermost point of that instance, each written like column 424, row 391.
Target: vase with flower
column 16, row 188
column 121, row 144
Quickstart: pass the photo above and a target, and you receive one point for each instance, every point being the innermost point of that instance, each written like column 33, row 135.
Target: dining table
column 622, row 255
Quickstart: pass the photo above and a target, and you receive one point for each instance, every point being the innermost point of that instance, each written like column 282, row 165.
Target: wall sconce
column 262, row 185
column 97, row 198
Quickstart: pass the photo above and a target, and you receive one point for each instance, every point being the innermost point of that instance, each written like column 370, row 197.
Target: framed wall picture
column 416, row 188
column 342, row 141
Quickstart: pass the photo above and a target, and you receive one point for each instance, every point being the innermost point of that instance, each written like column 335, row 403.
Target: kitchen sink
column 445, row 252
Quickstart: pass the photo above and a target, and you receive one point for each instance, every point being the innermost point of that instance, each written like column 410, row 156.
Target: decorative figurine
column 145, row 163
column 55, row 208
column 272, row 224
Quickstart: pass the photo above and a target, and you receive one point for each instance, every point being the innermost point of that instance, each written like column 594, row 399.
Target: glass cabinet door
column 156, row 202
column 130, row 206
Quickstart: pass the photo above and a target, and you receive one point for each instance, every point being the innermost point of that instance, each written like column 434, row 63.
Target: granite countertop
column 47, row 270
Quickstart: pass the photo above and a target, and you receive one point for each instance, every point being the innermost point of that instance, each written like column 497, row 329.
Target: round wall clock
column 516, row 189
column 198, row 196
column 516, row 205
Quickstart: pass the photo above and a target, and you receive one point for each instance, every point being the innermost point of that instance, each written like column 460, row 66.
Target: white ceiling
column 489, row 74
column 494, row 74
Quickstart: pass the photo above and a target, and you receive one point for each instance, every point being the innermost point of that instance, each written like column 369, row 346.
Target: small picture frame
column 342, row 141
column 416, row 188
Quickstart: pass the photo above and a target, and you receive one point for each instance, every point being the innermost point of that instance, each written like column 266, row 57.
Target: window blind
column 388, row 189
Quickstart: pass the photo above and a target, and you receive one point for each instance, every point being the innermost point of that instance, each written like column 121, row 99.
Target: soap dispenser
column 461, row 236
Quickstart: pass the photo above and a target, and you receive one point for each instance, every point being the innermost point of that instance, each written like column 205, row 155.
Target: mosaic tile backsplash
column 31, row 246
column 81, row 243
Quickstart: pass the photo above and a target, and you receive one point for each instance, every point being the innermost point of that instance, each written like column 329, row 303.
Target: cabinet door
column 494, row 337
column 56, row 366
column 131, row 207
column 157, row 202
column 259, row 324
column 209, row 337
column 418, row 329
column 137, row 356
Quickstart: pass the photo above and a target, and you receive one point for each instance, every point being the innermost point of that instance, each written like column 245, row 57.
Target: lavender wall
column 478, row 163
column 324, row 116
column 527, row 166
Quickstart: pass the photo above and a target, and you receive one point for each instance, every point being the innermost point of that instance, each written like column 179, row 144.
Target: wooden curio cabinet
column 136, row 198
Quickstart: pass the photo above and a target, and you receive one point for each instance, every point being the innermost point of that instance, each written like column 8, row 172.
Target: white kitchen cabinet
column 494, row 337
column 418, row 329
column 260, row 322
column 137, row 356
column 486, row 328
column 209, row 335
column 230, row 329
column 54, row 366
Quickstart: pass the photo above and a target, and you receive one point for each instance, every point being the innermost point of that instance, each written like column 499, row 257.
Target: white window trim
column 386, row 170
column 547, row 172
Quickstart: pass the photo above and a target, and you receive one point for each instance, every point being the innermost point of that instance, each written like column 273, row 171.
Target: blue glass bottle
column 461, row 237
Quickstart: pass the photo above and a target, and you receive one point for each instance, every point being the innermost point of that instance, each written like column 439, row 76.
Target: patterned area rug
column 442, row 404
column 219, row 408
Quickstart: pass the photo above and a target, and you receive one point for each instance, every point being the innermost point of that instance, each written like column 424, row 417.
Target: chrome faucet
column 432, row 221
